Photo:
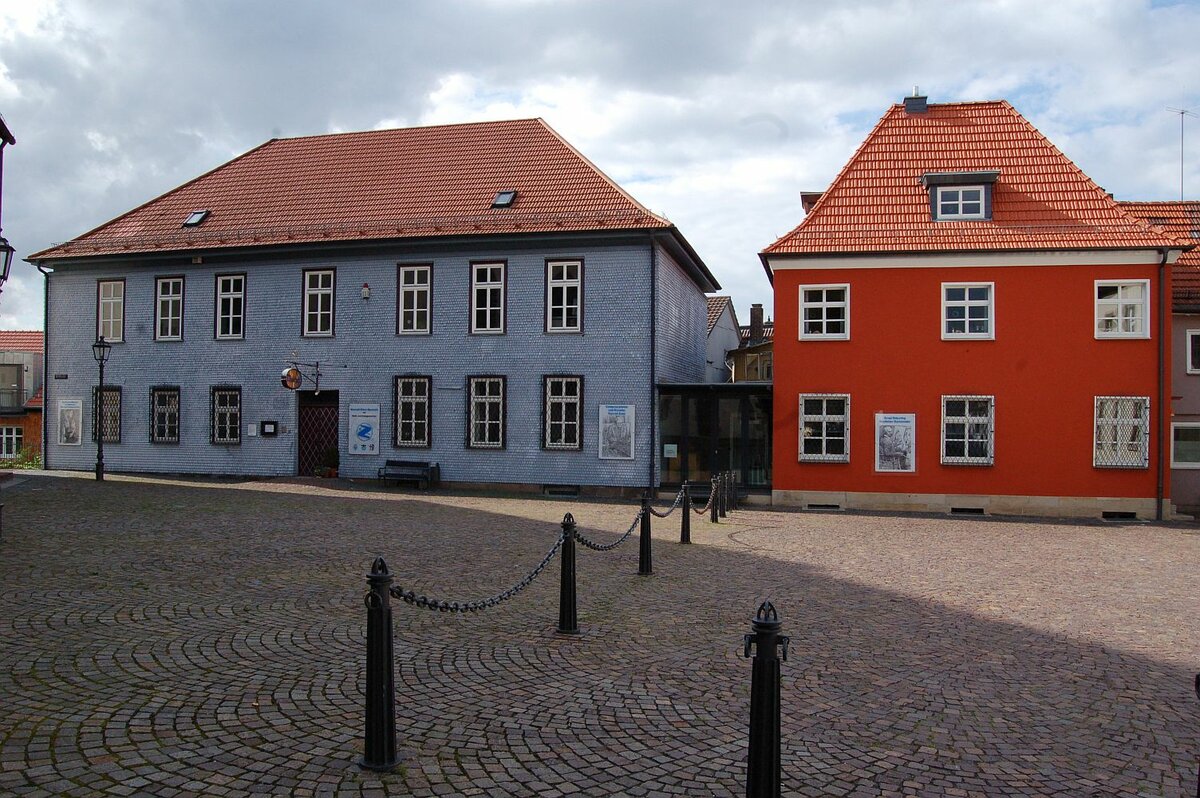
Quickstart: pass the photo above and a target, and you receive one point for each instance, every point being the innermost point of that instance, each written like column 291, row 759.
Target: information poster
column 70, row 422
column 364, row 429
column 895, row 442
column 616, row 432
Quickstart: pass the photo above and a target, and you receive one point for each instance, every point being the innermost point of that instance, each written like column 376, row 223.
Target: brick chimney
column 756, row 323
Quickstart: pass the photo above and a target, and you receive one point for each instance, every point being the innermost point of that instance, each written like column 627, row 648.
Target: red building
column 965, row 321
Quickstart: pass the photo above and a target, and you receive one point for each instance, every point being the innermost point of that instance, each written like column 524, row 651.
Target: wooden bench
column 419, row 471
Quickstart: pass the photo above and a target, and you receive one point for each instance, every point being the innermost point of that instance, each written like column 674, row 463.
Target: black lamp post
column 100, row 351
column 6, row 249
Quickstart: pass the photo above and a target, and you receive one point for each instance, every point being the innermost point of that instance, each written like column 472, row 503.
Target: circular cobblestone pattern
column 175, row 638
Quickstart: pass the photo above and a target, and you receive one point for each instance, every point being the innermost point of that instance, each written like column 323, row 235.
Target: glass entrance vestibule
column 709, row 428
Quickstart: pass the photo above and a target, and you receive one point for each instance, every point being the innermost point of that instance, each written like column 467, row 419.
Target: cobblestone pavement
column 196, row 638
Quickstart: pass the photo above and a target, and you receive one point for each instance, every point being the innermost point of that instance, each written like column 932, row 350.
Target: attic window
column 504, row 199
column 956, row 196
column 195, row 218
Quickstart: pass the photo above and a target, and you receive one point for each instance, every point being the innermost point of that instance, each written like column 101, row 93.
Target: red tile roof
column 383, row 184
column 1181, row 219
column 768, row 334
column 1041, row 199
column 35, row 401
column 716, row 305
column 21, row 340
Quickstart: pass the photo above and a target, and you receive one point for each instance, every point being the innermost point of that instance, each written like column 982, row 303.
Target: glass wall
column 707, row 429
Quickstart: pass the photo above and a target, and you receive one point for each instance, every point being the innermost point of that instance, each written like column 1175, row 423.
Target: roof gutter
column 1164, row 436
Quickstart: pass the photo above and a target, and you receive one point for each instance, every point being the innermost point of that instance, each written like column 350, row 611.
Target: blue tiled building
column 482, row 290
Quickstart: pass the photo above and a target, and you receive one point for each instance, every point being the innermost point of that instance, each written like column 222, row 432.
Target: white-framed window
column 960, row 202
column 564, row 296
column 968, row 430
column 562, row 400
column 1122, row 432
column 1122, row 308
column 824, row 427
column 106, row 413
column 487, row 297
column 11, row 440
column 168, row 309
column 318, row 302
column 226, row 415
column 412, row 412
column 824, row 312
column 413, row 313
column 164, row 414
column 485, row 413
column 967, row 310
column 1185, row 444
column 1193, row 351
column 759, row 366
column 110, row 311
column 231, row 306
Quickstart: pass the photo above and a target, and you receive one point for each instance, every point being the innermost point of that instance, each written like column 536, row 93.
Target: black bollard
column 645, row 567
column 568, row 619
column 712, row 502
column 722, row 495
column 379, row 746
column 685, row 520
column 762, row 761
column 1, row 522
column 733, row 491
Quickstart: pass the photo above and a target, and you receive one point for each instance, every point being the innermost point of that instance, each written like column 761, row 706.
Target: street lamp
column 100, row 351
column 6, row 256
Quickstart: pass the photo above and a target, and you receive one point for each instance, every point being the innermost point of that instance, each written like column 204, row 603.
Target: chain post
column 722, row 496
column 763, row 759
column 645, row 566
column 712, row 502
column 568, row 619
column 685, row 520
column 733, row 491
column 379, row 744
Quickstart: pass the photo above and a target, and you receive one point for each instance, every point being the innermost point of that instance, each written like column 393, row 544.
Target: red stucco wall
column 1044, row 368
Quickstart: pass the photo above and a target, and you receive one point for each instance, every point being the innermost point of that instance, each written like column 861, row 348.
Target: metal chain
column 410, row 597
column 678, row 499
column 712, row 495
column 637, row 519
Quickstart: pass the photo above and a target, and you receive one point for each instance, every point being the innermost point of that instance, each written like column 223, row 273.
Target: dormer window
column 959, row 196
column 960, row 202
column 504, row 199
column 195, row 218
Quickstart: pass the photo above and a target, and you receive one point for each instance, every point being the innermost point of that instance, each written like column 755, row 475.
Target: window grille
column 486, row 413
column 106, row 413
column 164, row 414
column 226, row 415
column 1122, row 438
column 412, row 412
column 968, row 430
column 563, row 397
column 825, row 428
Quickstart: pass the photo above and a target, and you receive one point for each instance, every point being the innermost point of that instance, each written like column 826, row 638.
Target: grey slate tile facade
column 612, row 354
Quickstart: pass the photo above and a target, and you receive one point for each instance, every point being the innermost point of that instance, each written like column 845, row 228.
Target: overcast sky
column 714, row 114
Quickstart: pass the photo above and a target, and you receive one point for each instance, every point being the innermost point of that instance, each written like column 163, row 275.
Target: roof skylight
column 504, row 199
column 195, row 218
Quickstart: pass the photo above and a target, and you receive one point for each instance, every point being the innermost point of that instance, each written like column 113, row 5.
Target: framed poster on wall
column 70, row 422
column 896, row 442
column 363, row 437
column 616, row 432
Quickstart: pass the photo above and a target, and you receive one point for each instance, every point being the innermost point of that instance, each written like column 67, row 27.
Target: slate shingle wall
column 361, row 360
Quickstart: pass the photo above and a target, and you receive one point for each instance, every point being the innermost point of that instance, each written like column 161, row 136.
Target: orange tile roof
column 1181, row 219
column 1041, row 199
column 768, row 334
column 382, row 184
column 21, row 340
column 716, row 305
column 35, row 401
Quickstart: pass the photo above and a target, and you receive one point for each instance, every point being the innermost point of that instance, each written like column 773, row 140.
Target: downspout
column 653, row 362
column 45, row 365
column 1163, row 435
